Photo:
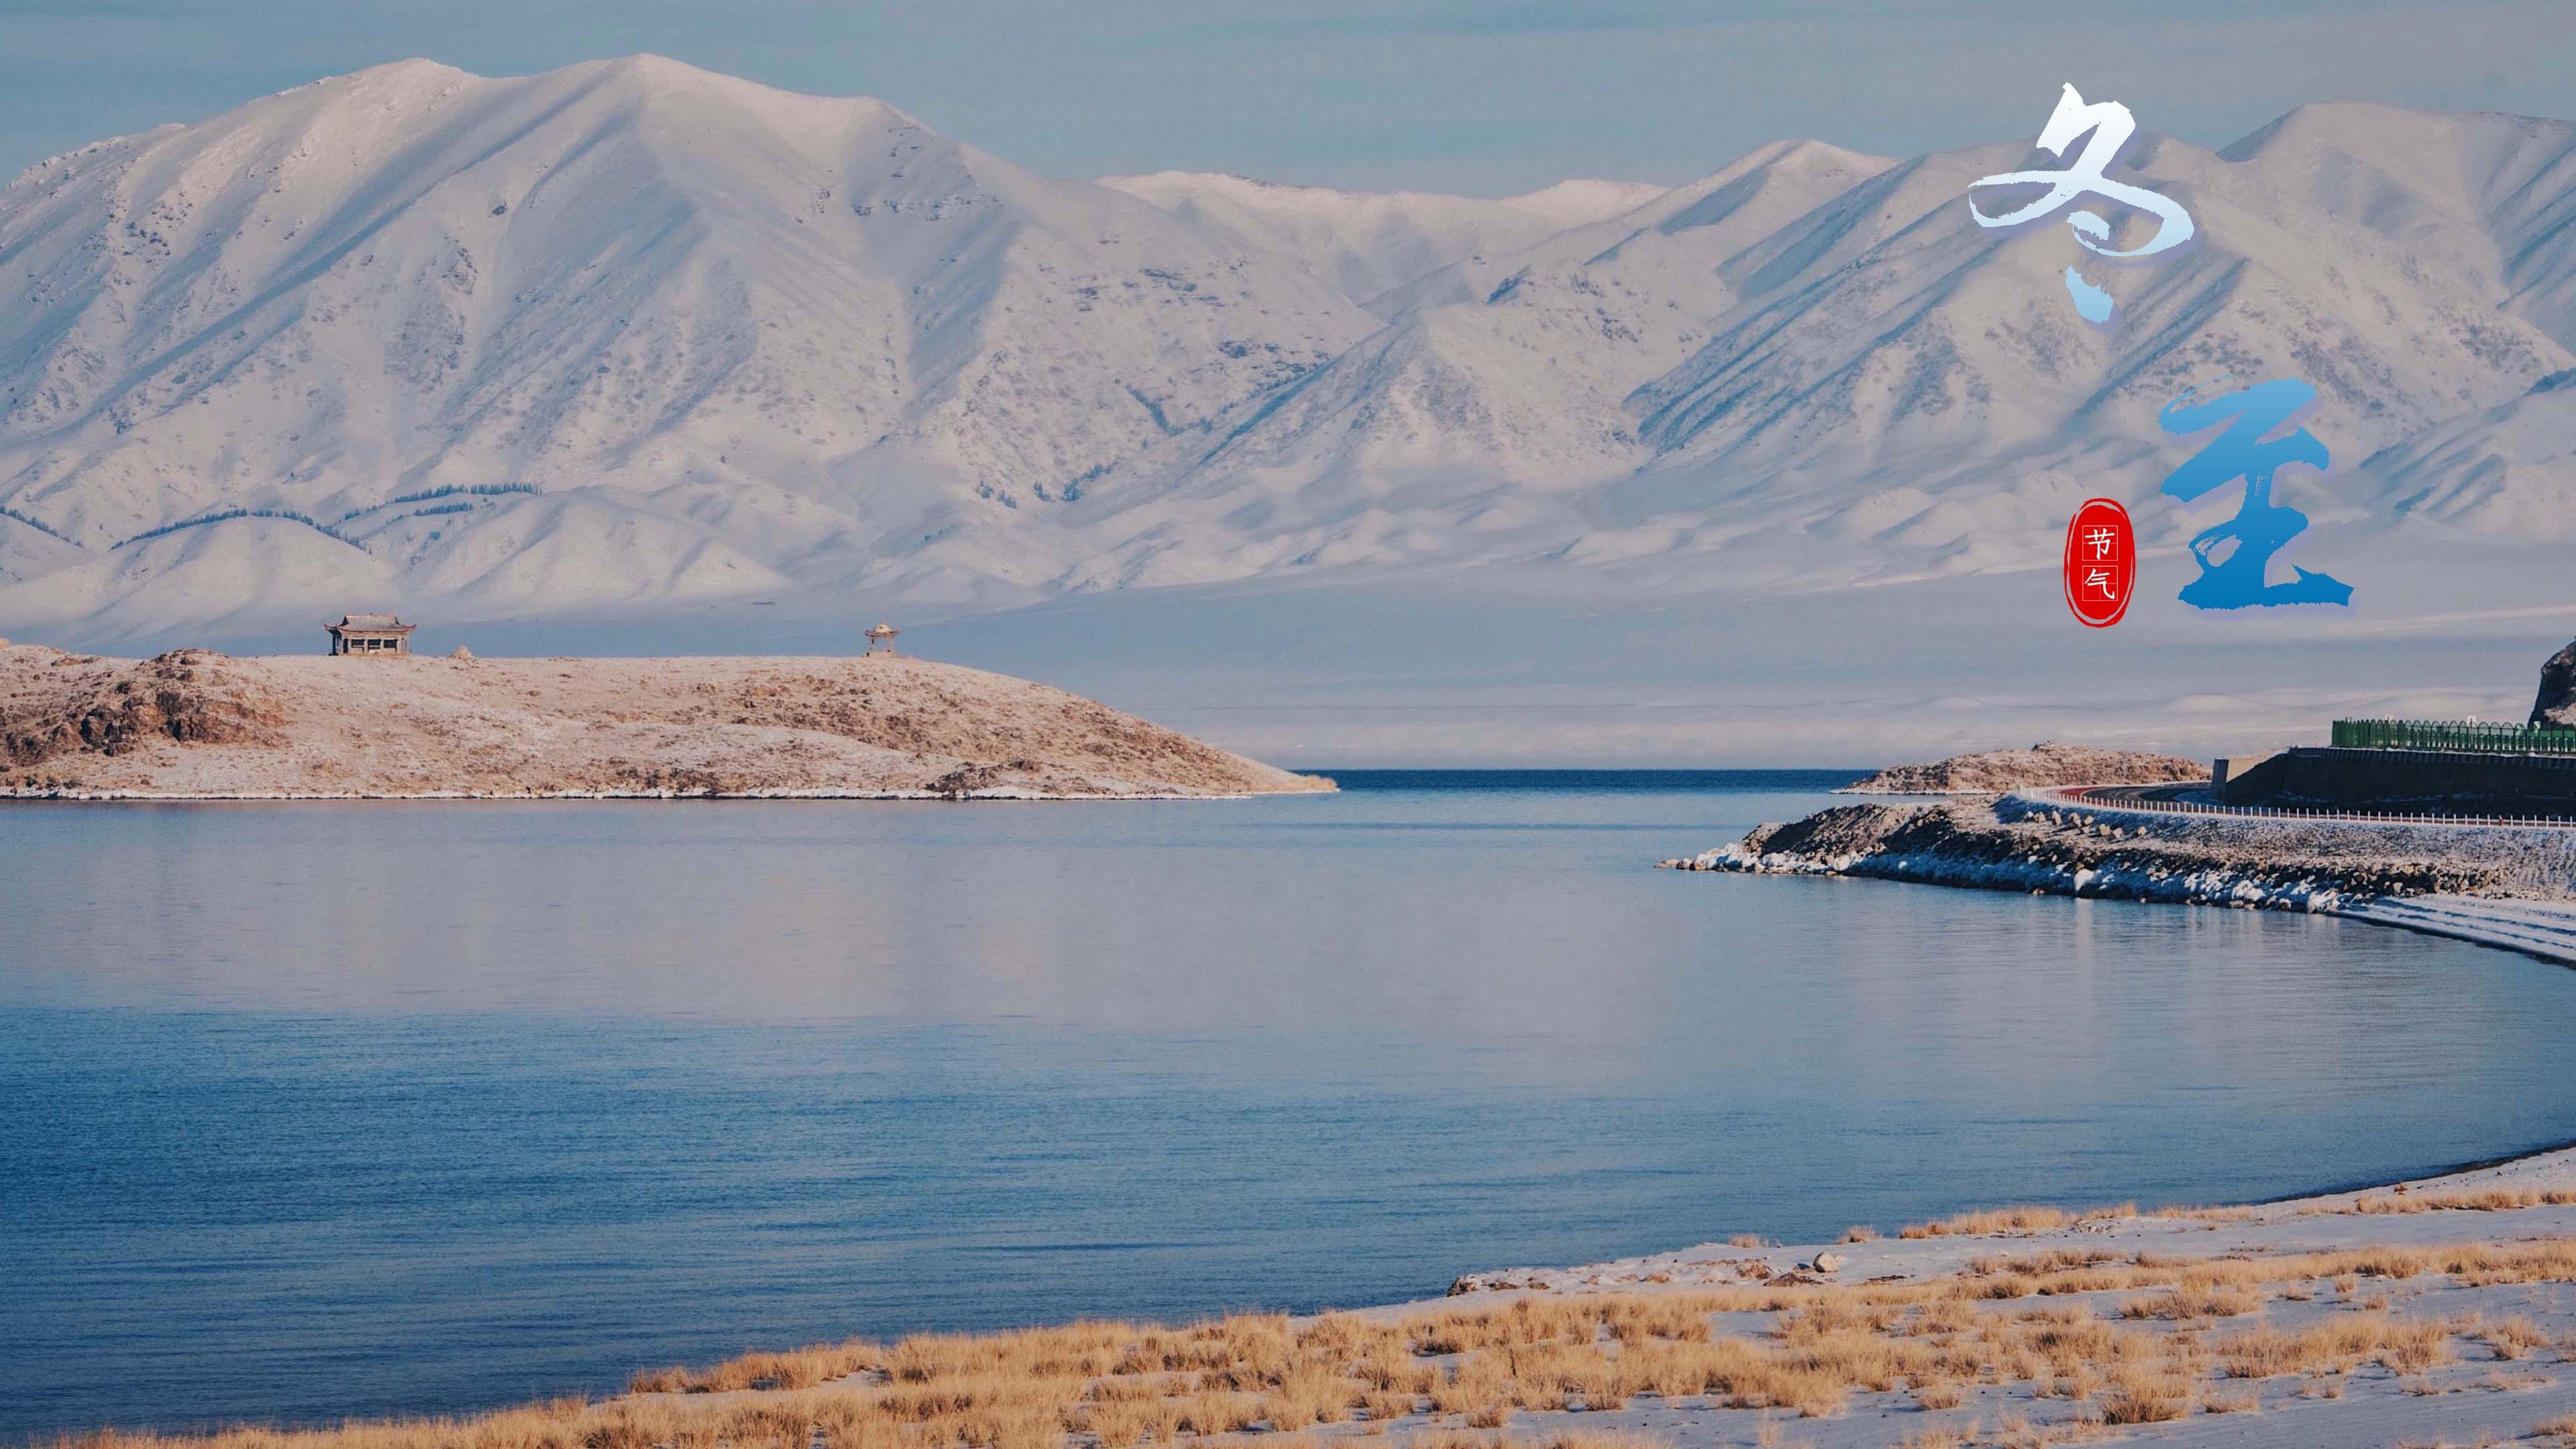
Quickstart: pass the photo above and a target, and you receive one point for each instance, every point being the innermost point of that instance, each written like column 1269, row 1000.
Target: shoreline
column 1005, row 794
column 2153, row 1315
column 2506, row 887
column 2460, row 1170
column 2551, row 1168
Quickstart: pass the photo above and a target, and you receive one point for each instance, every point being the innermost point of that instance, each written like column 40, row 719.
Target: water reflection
column 330, row 1109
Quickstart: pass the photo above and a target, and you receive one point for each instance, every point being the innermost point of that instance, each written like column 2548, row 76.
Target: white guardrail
column 2106, row 797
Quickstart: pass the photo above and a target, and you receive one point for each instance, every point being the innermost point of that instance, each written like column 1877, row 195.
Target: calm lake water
column 314, row 1110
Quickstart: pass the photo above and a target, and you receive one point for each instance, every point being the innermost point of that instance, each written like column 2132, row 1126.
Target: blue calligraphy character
column 2260, row 526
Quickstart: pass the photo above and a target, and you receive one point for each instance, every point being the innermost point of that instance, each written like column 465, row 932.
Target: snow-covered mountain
column 1370, row 243
column 1814, row 367
column 633, row 335
column 1483, row 419
column 625, row 330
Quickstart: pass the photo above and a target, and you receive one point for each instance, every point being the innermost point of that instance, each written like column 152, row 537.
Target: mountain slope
column 1369, row 243
column 630, row 339
column 1848, row 381
column 806, row 326
column 1481, row 411
column 2487, row 199
column 1901, row 380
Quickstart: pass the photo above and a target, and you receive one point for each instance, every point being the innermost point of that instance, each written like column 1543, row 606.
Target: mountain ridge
column 631, row 335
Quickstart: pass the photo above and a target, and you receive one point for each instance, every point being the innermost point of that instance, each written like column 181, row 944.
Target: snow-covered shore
column 2383, row 1213
column 2468, row 1392
column 2513, row 888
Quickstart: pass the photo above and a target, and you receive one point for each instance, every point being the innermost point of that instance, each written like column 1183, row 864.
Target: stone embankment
column 194, row 724
column 2512, row 884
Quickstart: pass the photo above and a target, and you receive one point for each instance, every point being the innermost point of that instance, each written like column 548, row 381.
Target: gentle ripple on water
column 327, row 1109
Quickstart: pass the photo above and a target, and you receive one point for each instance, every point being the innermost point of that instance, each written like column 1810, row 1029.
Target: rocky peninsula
column 2067, row 820
column 2506, row 886
column 195, row 725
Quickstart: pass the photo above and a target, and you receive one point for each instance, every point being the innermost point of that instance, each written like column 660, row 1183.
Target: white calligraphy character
column 2111, row 126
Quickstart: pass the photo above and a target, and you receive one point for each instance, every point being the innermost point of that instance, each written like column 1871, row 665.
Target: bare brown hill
column 196, row 724
column 2046, row 763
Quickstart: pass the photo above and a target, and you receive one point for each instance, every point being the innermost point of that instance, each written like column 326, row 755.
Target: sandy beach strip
column 2441, row 1310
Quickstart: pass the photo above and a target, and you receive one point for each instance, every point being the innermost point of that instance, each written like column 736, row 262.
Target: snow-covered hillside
column 754, row 334
column 631, row 336
column 1815, row 368
column 1370, row 243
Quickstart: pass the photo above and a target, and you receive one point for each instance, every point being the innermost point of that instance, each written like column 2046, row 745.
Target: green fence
column 2455, row 735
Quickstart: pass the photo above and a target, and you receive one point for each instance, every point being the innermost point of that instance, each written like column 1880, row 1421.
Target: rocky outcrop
column 2556, row 704
column 86, row 705
column 197, row 725
column 1992, row 772
column 2029, row 843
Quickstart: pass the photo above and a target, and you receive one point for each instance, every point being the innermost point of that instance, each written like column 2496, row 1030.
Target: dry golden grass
column 2142, row 1395
column 2003, row 1320
column 797, row 1369
column 1381, row 1405
column 2336, row 1346
column 2511, row 1338
column 1219, row 1412
column 1993, row 1221
column 1860, row 1233
column 2486, row 1200
column 2196, row 1299
column 2412, row 1348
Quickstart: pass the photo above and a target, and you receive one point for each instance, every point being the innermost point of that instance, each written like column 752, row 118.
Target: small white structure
column 370, row 634
column 881, row 639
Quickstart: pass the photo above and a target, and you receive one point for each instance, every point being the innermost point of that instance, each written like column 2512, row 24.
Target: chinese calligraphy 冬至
column 2234, row 554
column 2110, row 126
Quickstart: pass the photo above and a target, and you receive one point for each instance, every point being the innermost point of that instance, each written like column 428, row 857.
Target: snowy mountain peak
column 635, row 335
column 400, row 305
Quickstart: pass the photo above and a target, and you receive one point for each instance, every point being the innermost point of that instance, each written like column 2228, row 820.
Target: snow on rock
column 193, row 724
column 2512, row 886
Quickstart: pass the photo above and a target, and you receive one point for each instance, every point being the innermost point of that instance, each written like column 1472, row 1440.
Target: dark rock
column 2557, row 702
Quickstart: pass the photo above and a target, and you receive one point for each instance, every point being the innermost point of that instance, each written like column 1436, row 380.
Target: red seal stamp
column 2101, row 563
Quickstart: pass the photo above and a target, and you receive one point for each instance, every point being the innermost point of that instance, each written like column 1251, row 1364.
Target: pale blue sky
column 1484, row 99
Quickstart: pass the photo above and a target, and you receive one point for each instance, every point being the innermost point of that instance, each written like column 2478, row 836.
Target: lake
column 328, row 1109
